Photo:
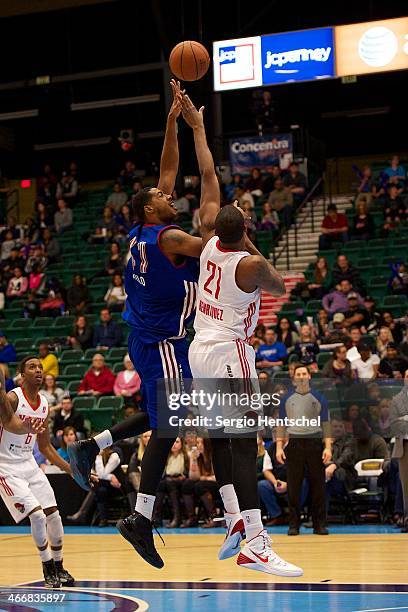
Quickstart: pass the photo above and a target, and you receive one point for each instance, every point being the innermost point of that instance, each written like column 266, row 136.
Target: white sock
column 229, row 499
column 55, row 533
column 104, row 439
column 144, row 505
column 39, row 533
column 253, row 523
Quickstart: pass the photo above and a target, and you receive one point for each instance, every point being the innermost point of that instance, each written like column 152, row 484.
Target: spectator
column 31, row 230
column 353, row 413
column 47, row 184
column 69, row 436
column 373, row 315
column 394, row 210
column 10, row 384
column 135, row 463
column 395, row 172
column 114, row 263
column 243, row 196
column 196, row 223
column 192, row 190
column 339, row 368
column 270, row 487
column 67, row 416
column 117, row 198
column 337, row 300
column 383, row 339
column 200, row 484
column 393, row 365
column 128, row 175
column 99, row 379
column 175, row 473
column 115, row 297
column 271, row 355
column 334, row 228
column 366, row 186
column 340, row 472
column 363, row 223
column 369, row 445
column 127, row 382
column 366, row 366
column 82, row 334
column 38, row 259
column 7, row 350
column 63, row 218
column 43, row 217
column 52, row 305
column 49, row 361
column 295, row 182
column 251, row 220
column 374, row 418
column 52, row 393
column 281, row 200
column 108, row 333
column 67, row 189
column 337, row 331
column 17, row 285
column 322, row 324
column 270, row 219
column 123, row 222
column 307, row 348
column 236, row 181
column 356, row 315
column 344, row 270
column 286, row 333
column 31, row 308
column 254, row 183
column 51, row 246
column 399, row 429
column 78, row 297
column 322, row 279
column 399, row 279
column 14, row 260
column 384, row 422
column 308, row 446
column 107, row 223
column 13, row 228
column 396, row 327
column 111, row 480
column 272, row 173
column 7, row 245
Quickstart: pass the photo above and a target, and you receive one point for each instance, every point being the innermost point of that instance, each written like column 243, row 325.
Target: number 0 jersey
column 224, row 311
column 16, row 448
column 161, row 296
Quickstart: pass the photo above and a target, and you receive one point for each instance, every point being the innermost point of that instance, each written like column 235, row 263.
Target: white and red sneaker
column 234, row 536
column 257, row 554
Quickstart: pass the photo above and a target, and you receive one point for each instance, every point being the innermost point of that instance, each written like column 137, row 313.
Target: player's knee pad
column 39, row 528
column 55, row 529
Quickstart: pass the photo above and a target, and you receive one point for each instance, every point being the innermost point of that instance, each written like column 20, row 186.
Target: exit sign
column 348, row 79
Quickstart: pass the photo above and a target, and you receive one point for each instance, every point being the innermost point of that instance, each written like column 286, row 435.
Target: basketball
column 189, row 60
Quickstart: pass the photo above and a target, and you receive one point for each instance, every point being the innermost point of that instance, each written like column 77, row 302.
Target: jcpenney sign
column 259, row 151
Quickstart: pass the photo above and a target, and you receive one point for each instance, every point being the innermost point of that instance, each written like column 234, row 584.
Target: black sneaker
column 82, row 456
column 51, row 580
column 65, row 577
column 137, row 530
column 321, row 531
column 293, row 531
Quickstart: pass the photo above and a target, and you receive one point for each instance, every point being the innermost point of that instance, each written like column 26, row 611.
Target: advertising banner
column 259, row 152
column 375, row 46
column 297, row 56
column 237, row 63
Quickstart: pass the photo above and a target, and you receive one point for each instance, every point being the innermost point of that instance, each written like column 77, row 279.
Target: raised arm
column 255, row 271
column 210, row 187
column 169, row 161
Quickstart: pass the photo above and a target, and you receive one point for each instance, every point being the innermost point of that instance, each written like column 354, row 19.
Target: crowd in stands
column 333, row 325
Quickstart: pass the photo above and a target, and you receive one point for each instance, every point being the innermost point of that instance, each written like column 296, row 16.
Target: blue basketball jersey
column 161, row 297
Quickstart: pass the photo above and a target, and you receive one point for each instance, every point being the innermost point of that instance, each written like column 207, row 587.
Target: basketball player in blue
column 160, row 283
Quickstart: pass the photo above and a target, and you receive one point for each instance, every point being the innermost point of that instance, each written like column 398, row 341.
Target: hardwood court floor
column 358, row 558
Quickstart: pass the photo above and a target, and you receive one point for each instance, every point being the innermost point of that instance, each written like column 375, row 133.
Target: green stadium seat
column 5, row 323
column 110, row 401
column 72, row 386
column 64, row 321
column 43, row 323
column 322, row 359
column 23, row 344
column 78, row 370
column 21, row 324
column 116, row 354
column 71, row 356
column 395, row 300
column 89, row 353
column 292, row 306
column 117, row 367
column 81, row 402
column 101, row 418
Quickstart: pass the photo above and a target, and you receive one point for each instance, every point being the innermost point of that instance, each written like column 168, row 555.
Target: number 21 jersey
column 224, row 311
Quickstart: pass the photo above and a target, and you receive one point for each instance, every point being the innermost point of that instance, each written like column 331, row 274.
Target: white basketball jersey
column 13, row 447
column 224, row 311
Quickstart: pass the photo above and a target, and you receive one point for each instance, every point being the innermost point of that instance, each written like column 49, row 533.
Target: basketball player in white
column 232, row 274
column 24, row 488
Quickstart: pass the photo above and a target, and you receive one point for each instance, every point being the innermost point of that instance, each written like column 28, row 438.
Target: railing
column 13, row 203
column 285, row 231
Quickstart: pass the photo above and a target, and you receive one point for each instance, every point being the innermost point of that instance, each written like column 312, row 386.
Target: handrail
column 285, row 230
